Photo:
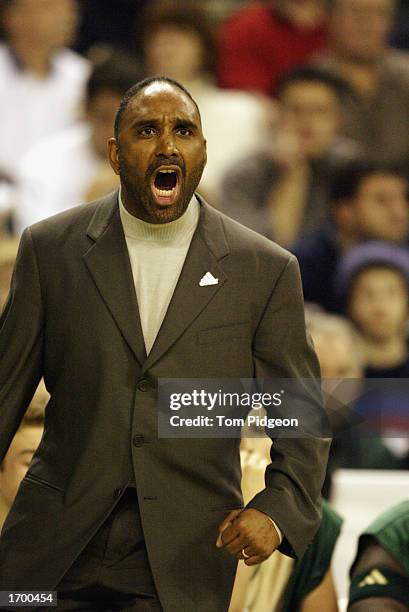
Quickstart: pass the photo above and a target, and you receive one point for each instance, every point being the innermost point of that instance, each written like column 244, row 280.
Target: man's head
column 370, row 202
column 159, row 150
column 178, row 41
column 337, row 345
column 360, row 29
column 310, row 102
column 22, row 448
column 373, row 284
column 47, row 24
column 109, row 81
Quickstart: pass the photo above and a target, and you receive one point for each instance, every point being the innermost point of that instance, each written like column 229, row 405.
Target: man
column 368, row 201
column 21, row 451
column 111, row 298
column 377, row 114
column 76, row 155
column 283, row 191
column 267, row 38
column 380, row 571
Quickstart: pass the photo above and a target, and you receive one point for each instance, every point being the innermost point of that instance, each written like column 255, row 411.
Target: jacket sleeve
column 21, row 342
column 294, row 478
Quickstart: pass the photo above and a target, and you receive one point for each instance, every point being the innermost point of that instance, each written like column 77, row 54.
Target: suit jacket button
column 138, row 440
column 143, row 385
column 117, row 493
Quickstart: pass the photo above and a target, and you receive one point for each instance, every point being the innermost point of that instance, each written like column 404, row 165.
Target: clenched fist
column 251, row 531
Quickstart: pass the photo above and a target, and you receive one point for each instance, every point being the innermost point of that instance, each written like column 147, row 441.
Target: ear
column 113, row 155
column 205, row 151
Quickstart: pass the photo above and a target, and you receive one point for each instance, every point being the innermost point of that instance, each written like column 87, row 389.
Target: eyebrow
column 179, row 121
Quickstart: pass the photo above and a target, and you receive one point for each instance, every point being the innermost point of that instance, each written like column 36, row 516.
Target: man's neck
column 362, row 76
column 33, row 59
column 385, row 353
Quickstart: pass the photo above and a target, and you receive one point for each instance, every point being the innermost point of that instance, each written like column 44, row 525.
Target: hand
column 251, row 530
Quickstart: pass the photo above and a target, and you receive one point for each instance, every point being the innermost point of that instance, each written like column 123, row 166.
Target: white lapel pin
column 208, row 279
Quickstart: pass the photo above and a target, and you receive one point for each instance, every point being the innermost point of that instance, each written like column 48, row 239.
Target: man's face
column 337, row 356
column 360, row 29
column 161, row 153
column 380, row 208
column 50, row 22
column 17, row 460
column 101, row 112
column 379, row 303
column 312, row 111
column 175, row 52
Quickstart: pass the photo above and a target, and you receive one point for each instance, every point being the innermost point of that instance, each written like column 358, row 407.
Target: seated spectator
column 377, row 114
column 265, row 39
column 373, row 282
column 281, row 583
column 380, row 572
column 21, row 451
column 76, row 156
column 283, row 191
column 8, row 253
column 42, row 82
column 340, row 353
column 368, row 201
column 178, row 43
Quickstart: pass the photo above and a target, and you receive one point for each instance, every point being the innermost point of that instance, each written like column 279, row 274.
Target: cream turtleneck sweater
column 157, row 252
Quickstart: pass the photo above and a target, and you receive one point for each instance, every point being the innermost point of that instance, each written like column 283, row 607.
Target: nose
column 166, row 145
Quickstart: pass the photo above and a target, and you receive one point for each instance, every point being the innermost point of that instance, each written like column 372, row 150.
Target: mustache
column 173, row 160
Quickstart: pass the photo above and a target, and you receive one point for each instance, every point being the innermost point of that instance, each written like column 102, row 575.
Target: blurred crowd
column 305, row 107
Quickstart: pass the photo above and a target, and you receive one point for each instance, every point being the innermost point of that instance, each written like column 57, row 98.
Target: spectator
column 283, row 191
column 21, row 451
column 377, row 114
column 77, row 156
column 341, row 357
column 8, row 253
column 281, row 583
column 266, row 39
column 368, row 201
column 373, row 281
column 179, row 43
column 380, row 572
column 41, row 81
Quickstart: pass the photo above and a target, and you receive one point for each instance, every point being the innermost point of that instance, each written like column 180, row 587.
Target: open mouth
column 165, row 184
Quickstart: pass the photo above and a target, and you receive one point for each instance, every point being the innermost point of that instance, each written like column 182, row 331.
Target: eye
column 183, row 131
column 147, row 131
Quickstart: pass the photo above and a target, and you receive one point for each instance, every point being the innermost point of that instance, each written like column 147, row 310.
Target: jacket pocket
column 228, row 508
column 41, row 482
column 225, row 332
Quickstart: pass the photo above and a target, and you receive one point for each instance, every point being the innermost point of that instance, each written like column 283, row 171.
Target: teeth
column 164, row 192
column 166, row 171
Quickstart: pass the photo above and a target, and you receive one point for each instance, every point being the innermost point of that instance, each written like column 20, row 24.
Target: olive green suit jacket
column 72, row 317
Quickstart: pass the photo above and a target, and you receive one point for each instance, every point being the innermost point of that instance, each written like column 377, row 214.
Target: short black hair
column 135, row 89
column 349, row 177
column 315, row 75
column 116, row 73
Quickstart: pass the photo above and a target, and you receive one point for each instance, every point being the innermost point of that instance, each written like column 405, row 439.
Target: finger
column 225, row 525
column 230, row 534
column 255, row 560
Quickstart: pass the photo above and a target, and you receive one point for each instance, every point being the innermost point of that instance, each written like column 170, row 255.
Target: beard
column 139, row 194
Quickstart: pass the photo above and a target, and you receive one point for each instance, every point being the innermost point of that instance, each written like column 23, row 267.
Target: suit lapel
column 108, row 263
column 208, row 245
